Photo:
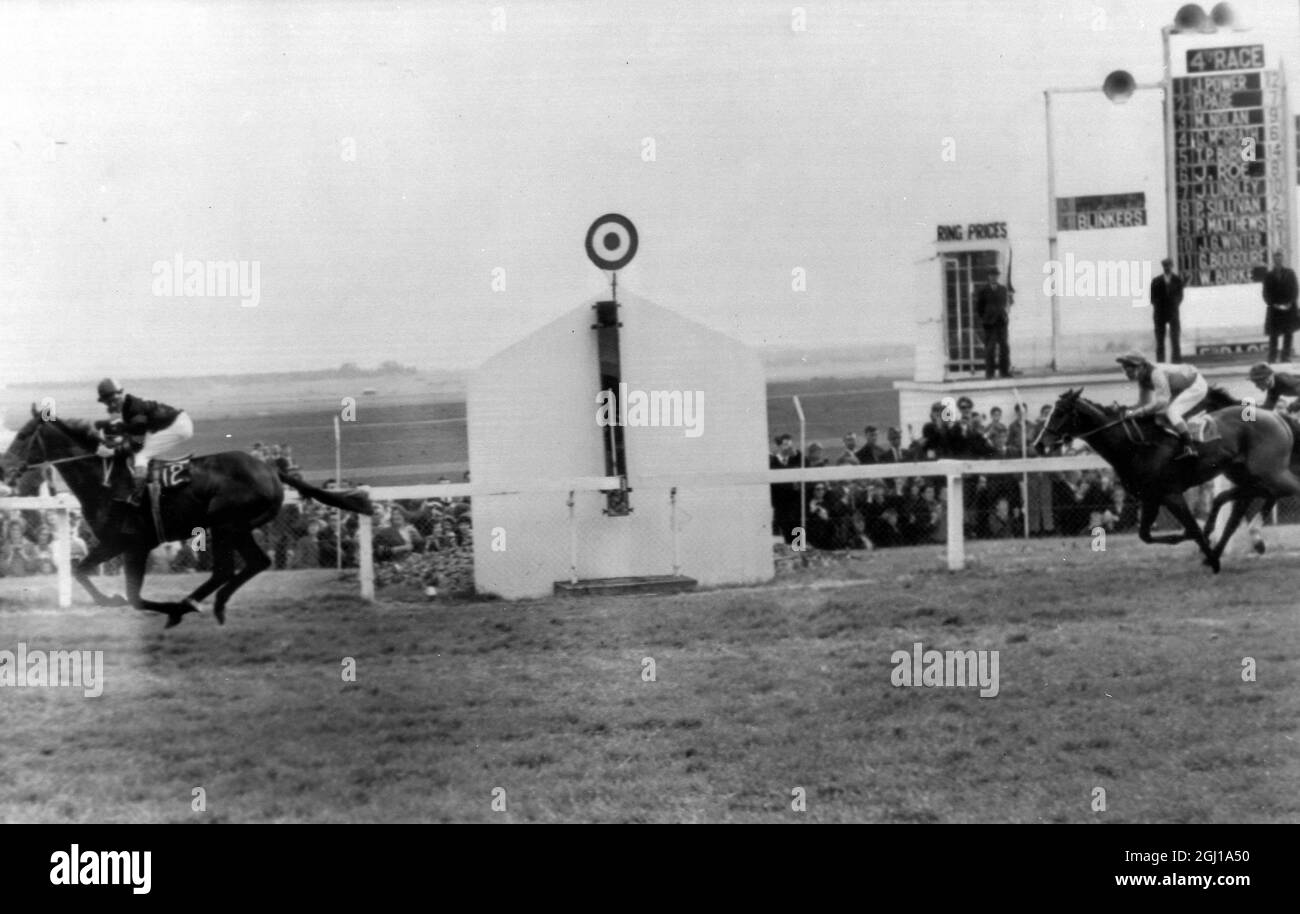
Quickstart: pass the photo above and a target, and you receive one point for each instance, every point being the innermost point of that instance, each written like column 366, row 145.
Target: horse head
column 45, row 438
column 1071, row 415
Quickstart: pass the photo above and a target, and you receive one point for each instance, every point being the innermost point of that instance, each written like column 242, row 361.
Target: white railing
column 952, row 470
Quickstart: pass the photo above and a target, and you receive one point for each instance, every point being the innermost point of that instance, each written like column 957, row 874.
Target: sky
column 385, row 165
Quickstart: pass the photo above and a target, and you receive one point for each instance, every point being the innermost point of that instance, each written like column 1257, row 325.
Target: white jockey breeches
column 157, row 444
column 1185, row 402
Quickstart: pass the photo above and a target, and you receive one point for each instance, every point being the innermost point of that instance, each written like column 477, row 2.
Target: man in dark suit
column 1283, row 318
column 785, row 495
column 869, row 452
column 894, row 453
column 1278, row 384
column 1166, row 296
column 993, row 311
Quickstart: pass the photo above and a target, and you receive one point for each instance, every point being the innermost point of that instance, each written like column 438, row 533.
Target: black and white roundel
column 611, row 241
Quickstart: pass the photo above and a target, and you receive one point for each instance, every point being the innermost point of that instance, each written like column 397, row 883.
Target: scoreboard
column 1232, row 180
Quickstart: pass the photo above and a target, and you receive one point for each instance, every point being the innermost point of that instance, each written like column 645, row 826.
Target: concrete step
column 654, row 583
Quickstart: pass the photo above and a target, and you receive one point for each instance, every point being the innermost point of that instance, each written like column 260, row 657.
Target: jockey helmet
column 1260, row 371
column 108, row 389
column 1132, row 357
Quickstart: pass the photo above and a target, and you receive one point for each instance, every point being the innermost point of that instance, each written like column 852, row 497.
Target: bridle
column 27, row 463
column 1132, row 430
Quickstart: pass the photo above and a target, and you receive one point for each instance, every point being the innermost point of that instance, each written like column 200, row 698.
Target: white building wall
column 532, row 417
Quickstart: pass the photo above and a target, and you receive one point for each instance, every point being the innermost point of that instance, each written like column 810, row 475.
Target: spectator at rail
column 1019, row 433
column 819, row 518
column 816, row 456
column 869, row 453
column 1000, row 523
column 934, row 434
column 18, row 554
column 1070, row 514
column 849, row 455
column 306, row 551
column 916, row 517
column 398, row 539
column 785, row 495
column 894, row 452
column 887, row 530
column 936, row 502
column 995, row 424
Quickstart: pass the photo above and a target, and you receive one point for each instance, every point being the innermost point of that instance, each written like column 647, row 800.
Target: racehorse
column 1255, row 455
column 230, row 494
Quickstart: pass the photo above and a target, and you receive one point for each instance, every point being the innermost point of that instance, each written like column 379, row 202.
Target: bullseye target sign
column 611, row 241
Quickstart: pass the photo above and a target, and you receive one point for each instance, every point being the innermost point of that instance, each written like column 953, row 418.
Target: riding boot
column 1189, row 450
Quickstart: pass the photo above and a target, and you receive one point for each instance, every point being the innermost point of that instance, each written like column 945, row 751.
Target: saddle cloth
column 1203, row 428
column 165, row 474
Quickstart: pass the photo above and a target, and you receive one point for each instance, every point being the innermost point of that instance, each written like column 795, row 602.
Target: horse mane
column 81, row 429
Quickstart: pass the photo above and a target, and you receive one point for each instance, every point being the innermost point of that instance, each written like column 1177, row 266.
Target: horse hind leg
column 255, row 562
column 1178, row 507
column 223, row 568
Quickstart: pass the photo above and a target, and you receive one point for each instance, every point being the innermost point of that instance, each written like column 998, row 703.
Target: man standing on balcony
column 993, row 311
column 1166, row 297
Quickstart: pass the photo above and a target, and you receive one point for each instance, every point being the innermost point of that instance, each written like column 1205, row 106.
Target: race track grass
column 1119, row 670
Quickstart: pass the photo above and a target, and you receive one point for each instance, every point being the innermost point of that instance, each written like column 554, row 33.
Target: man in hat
column 1166, row 296
column 992, row 310
column 1278, row 384
column 1169, row 390
column 1282, row 318
column 147, row 428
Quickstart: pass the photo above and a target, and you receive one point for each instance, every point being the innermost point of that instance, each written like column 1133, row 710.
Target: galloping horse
column 1255, row 455
column 230, row 494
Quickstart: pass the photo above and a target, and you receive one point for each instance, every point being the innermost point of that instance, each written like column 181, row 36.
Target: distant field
column 1119, row 670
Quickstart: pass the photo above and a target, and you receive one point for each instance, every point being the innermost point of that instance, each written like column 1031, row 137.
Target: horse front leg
column 136, row 561
column 103, row 551
column 1148, row 518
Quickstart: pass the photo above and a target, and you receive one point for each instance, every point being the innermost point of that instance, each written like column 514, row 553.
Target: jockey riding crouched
column 149, row 429
column 1278, row 384
column 1173, row 390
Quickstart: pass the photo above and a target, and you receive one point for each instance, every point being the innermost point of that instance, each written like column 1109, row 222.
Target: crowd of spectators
column 872, row 513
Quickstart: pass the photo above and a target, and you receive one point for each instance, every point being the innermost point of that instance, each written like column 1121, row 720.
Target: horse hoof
column 219, row 613
column 117, row 600
column 174, row 619
column 1259, row 548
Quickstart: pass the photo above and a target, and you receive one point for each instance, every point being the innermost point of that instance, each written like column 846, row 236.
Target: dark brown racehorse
column 1255, row 454
column 229, row 494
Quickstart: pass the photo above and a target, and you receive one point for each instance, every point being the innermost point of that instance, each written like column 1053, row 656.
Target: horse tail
column 355, row 501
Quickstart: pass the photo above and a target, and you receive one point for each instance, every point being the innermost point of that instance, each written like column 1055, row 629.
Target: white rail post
column 956, row 523
column 672, row 526
column 63, row 554
column 573, row 541
column 366, row 558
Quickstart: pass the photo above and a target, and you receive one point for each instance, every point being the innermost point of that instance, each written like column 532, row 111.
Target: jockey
column 1173, row 390
column 149, row 428
column 1278, row 384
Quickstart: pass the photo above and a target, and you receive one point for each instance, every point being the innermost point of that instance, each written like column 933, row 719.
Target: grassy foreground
column 1119, row 670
